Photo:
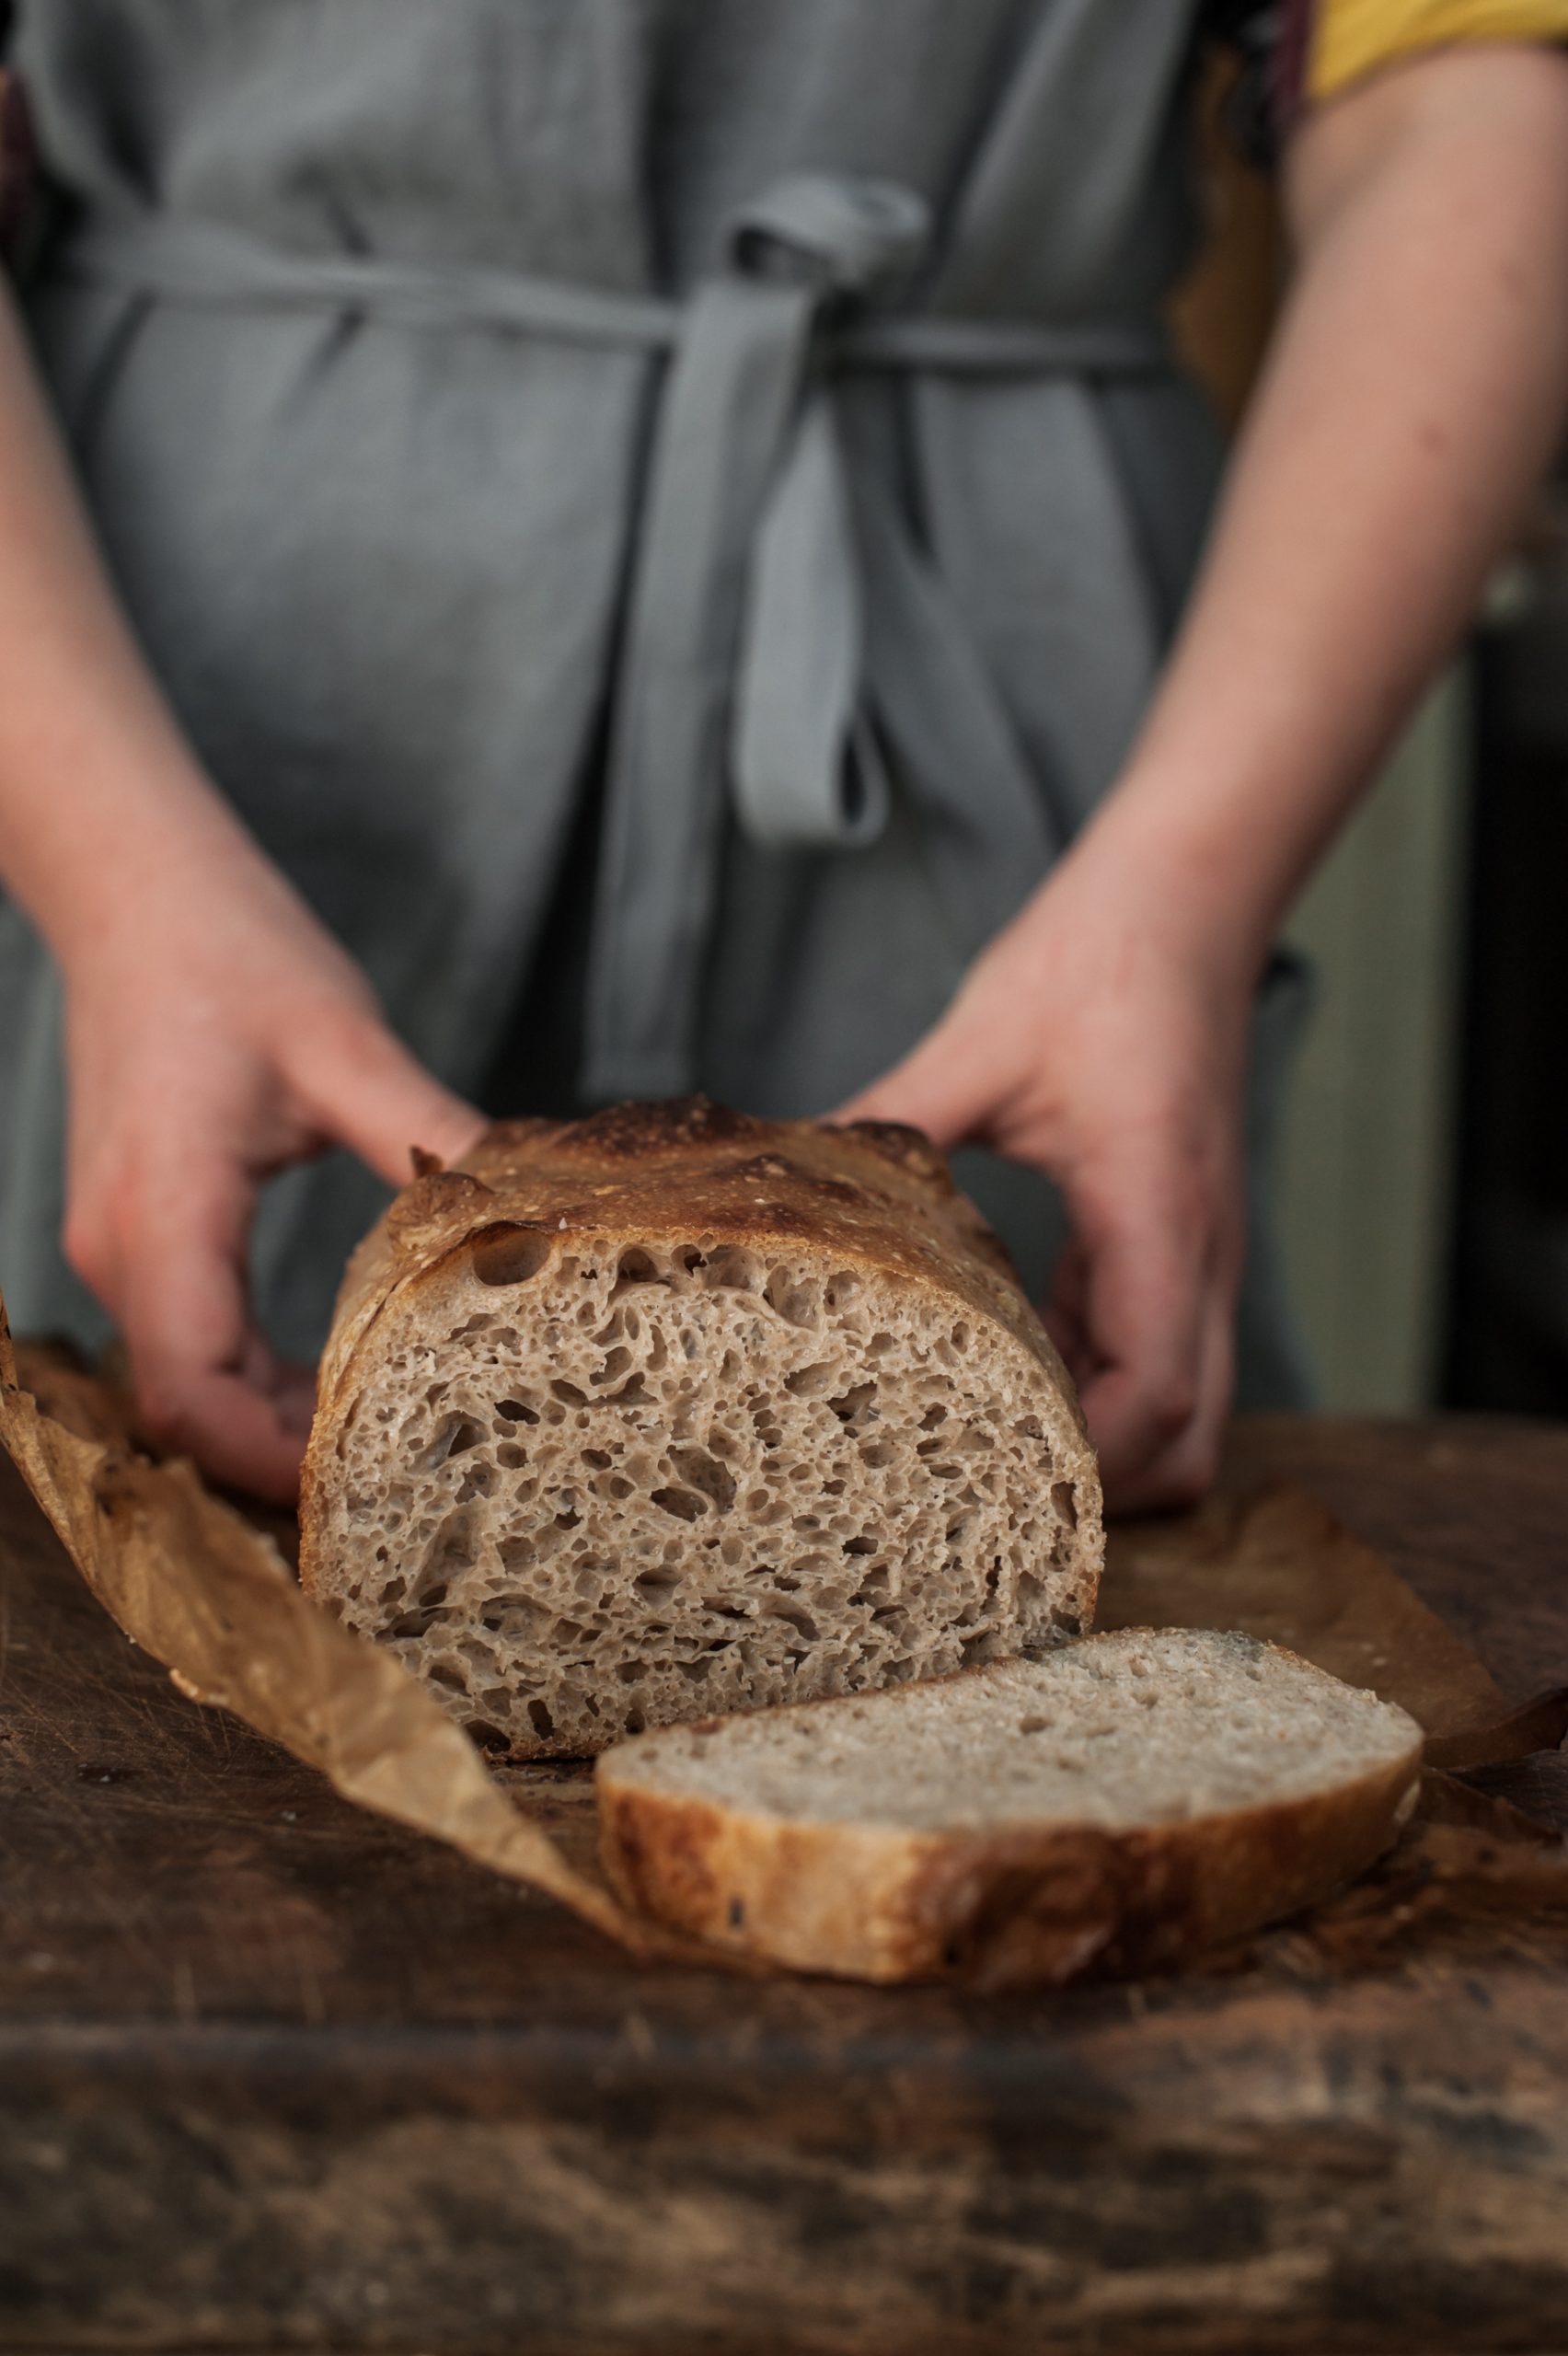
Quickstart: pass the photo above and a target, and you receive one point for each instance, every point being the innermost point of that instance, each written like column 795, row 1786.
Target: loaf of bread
column 670, row 1411
column 1125, row 1802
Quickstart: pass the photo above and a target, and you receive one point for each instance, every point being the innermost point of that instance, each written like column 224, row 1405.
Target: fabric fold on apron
column 791, row 655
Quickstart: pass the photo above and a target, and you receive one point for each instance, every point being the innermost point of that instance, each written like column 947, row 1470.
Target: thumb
column 941, row 1086
column 368, row 1091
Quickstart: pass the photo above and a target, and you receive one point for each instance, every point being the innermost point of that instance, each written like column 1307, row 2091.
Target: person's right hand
column 208, row 1046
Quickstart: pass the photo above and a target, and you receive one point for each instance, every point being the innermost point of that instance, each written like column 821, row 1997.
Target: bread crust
column 872, row 1190
column 1022, row 1906
column 871, row 1193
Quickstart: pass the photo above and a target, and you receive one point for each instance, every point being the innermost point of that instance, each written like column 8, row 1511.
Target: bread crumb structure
column 757, row 1415
column 1131, row 1799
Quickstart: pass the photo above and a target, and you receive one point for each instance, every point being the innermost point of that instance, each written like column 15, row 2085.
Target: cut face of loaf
column 1128, row 1801
column 669, row 1412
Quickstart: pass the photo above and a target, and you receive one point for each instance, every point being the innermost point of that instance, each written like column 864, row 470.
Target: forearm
column 1413, row 394
column 103, row 810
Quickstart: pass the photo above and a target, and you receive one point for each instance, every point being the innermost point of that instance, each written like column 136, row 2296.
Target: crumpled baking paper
column 206, row 1590
column 209, row 1595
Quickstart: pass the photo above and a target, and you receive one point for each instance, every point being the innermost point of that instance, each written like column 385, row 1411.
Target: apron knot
column 847, row 233
column 805, row 771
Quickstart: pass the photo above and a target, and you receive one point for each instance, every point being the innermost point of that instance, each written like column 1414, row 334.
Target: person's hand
column 1099, row 1041
column 208, row 1046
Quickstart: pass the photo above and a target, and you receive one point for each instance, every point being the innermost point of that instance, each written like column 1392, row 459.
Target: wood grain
column 275, row 2074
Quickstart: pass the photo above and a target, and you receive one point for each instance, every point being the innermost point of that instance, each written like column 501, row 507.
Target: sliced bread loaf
column 670, row 1411
column 1126, row 1801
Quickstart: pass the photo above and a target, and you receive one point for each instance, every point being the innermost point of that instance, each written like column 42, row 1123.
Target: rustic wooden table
column 275, row 2074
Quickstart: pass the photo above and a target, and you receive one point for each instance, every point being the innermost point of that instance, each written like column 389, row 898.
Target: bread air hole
column 452, row 1437
column 684, row 1504
column 703, row 1472
column 798, row 1302
column 734, row 1268
column 426, row 1608
column 797, row 1615
column 509, row 1254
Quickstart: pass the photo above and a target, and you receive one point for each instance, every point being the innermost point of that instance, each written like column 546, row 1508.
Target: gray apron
column 710, row 467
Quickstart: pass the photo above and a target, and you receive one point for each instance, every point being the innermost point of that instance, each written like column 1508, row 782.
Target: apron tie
column 746, row 629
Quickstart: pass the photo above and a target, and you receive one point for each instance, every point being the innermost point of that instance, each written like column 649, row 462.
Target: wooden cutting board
column 274, row 2074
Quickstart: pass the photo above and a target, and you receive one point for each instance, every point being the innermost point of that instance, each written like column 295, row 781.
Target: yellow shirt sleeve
column 1348, row 39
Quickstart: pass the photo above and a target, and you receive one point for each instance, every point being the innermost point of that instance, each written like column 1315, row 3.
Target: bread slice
column 670, row 1411
column 1125, row 1802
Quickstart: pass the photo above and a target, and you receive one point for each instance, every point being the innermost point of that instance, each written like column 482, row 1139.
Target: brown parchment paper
column 1278, row 1565
column 211, row 1596
column 206, row 1590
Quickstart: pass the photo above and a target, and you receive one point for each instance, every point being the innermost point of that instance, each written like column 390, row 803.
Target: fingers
column 195, row 1077
column 168, row 1261
column 1143, row 1326
column 1184, row 1470
column 368, row 1093
column 1143, row 1308
column 238, row 1437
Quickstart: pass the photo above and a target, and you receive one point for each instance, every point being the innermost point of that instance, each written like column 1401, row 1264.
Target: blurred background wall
column 1367, row 1177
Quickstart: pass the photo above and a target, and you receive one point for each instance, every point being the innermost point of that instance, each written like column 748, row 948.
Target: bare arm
column 1412, row 392
column 1411, row 402
column 214, row 1030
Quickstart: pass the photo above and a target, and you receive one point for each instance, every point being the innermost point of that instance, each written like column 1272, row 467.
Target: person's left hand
column 1102, row 1040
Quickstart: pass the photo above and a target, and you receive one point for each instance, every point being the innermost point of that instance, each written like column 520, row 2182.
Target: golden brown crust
column 1018, row 1907
column 867, row 1191
column 1005, row 1909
